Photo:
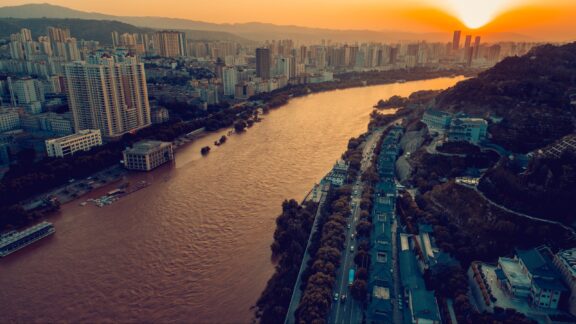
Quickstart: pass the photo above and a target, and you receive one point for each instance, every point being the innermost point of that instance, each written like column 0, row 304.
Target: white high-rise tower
column 108, row 96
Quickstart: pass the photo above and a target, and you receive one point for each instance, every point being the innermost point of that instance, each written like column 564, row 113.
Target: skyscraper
column 171, row 43
column 476, row 47
column 456, row 40
column 263, row 63
column 27, row 92
column 57, row 34
column 107, row 95
column 64, row 46
column 229, row 80
column 467, row 42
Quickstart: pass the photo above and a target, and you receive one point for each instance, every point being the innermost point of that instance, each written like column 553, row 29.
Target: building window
column 381, row 257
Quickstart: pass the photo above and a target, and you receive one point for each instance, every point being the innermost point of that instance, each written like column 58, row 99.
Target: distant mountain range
column 249, row 31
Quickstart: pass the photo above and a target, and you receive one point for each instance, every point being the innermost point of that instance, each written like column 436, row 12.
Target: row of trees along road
column 326, row 249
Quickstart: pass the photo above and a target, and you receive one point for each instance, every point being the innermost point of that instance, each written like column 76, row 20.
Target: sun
column 477, row 13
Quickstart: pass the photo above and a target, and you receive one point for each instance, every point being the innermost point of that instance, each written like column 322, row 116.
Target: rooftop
column 145, row 147
column 437, row 113
column 470, row 121
column 424, row 305
column 513, row 272
column 75, row 135
column 410, row 276
column 538, row 261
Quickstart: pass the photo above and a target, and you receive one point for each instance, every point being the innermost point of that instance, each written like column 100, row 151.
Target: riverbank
column 280, row 97
column 43, row 177
column 200, row 234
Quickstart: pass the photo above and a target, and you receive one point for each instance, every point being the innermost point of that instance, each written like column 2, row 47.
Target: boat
column 18, row 240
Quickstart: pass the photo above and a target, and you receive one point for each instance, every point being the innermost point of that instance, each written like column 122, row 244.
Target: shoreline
column 184, row 140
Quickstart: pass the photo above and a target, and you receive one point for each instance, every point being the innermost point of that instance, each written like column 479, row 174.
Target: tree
column 362, row 274
column 359, row 290
column 240, row 126
column 329, row 254
column 363, row 228
column 362, row 258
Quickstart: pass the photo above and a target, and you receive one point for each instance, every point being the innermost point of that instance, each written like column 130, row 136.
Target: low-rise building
column 159, row 115
column 511, row 277
column 147, row 155
column 338, row 175
column 529, row 282
column 421, row 302
column 84, row 140
column 471, row 130
column 56, row 124
column 546, row 282
column 436, row 120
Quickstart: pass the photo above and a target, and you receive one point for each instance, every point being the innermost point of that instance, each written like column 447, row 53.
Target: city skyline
column 534, row 18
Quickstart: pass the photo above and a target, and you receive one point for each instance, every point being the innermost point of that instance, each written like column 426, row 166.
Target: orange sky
column 537, row 18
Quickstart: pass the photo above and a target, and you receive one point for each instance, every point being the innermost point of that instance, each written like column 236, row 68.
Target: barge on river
column 15, row 241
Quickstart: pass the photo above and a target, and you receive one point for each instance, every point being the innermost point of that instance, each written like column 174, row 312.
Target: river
column 194, row 245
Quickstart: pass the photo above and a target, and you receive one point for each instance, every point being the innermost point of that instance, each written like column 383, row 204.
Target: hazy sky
column 527, row 16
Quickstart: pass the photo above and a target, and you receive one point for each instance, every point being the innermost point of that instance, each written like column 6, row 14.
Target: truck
column 350, row 277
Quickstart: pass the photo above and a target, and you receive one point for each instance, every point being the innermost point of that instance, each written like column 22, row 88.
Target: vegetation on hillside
column 530, row 93
column 98, row 30
column 469, row 228
column 546, row 189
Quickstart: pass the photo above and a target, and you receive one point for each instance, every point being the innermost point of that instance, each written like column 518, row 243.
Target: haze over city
column 537, row 19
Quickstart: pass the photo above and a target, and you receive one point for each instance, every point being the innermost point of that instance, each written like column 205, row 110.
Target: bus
column 350, row 277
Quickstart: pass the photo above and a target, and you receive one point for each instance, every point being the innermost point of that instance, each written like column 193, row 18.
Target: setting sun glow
column 477, row 13
column 536, row 19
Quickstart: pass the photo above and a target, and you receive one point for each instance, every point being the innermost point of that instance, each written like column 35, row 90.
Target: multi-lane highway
column 348, row 310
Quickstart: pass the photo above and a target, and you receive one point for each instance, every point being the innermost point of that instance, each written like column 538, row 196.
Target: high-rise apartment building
column 229, row 80
column 9, row 119
column 476, row 47
column 64, row 46
column 28, row 93
column 108, row 96
column 456, row 40
column 57, row 34
column 263, row 63
column 467, row 42
column 170, row 43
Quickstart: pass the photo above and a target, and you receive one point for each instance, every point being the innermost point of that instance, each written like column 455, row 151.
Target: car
column 353, row 235
column 336, row 296
column 343, row 298
column 351, row 248
column 349, row 226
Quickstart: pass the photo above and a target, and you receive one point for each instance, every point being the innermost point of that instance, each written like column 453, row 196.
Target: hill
column 530, row 92
column 98, row 30
column 253, row 31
